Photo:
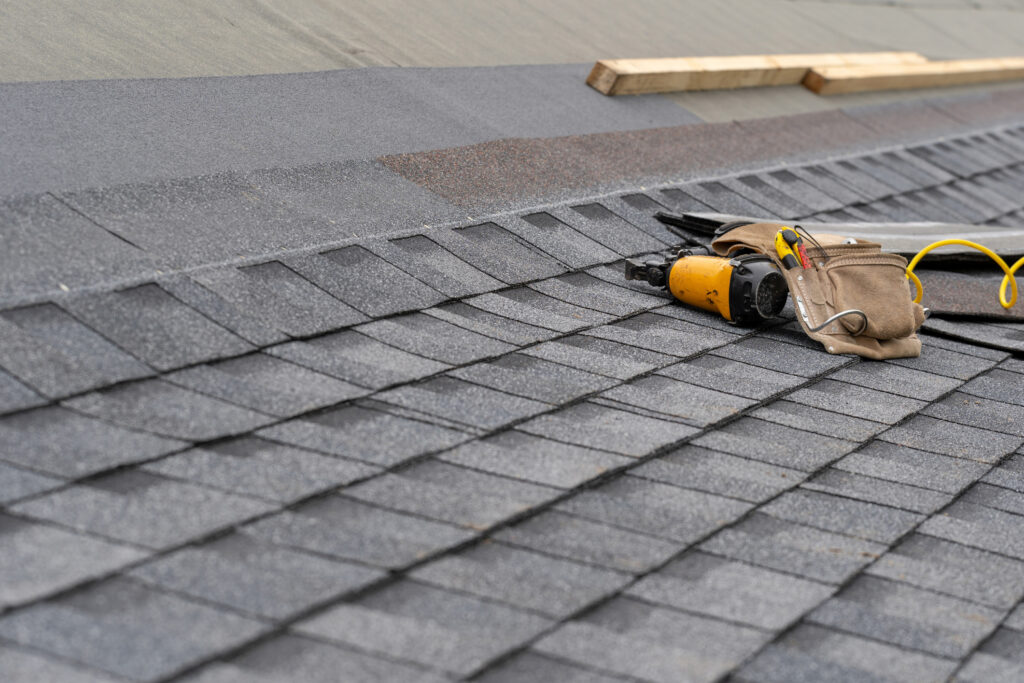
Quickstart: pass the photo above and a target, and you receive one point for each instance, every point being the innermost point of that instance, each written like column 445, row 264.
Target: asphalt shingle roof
column 474, row 450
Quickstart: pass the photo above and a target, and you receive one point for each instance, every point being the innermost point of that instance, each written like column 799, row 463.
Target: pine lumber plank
column 642, row 76
column 836, row 80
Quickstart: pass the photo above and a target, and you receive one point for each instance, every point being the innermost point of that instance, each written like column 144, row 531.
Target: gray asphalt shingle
column 162, row 408
column 17, row 483
column 678, row 400
column 533, row 308
column 872, row 490
column 497, row 252
column 794, row 548
column 596, row 426
column 715, row 372
column 255, row 467
column 652, row 643
column 350, row 530
column 142, row 508
column 856, row 401
column 15, row 396
column 980, row 412
column 37, row 560
column 22, row 665
column 843, row 515
column 979, row 527
column 428, row 336
column 811, row 653
column 775, row 444
column 363, row 434
column 463, row 402
column 279, row 298
column 153, row 326
column 524, row 579
column 906, row 465
column 129, row 630
column 818, row 421
column 720, row 473
column 491, row 324
column 533, row 377
column 524, row 456
column 907, row 616
column 267, row 384
column 939, row 436
column 255, row 578
column 601, row 356
column 289, row 657
column 556, row 533
column 732, row 591
column 62, row 442
column 358, row 359
column 437, row 267
column 414, row 622
column 658, row 509
column 452, row 494
column 555, row 238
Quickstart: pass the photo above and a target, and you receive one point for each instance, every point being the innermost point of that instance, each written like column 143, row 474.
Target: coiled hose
column 1008, row 271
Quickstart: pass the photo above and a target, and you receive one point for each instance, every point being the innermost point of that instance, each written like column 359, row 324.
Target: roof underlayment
column 335, row 376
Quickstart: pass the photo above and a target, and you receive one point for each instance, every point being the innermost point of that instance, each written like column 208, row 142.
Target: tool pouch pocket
column 874, row 283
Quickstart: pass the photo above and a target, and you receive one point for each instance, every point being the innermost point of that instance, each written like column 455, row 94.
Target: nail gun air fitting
column 744, row 290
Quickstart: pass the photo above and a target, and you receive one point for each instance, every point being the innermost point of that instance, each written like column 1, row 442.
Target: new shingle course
column 263, row 469
column 661, row 510
column 597, row 426
column 798, row 190
column 267, row 384
column 414, row 622
column 142, row 508
column 254, row 578
column 1009, row 474
column 911, row 617
column 732, row 591
column 162, row 408
column 996, row 497
column 719, row 473
column 843, row 515
column 59, row 441
column 350, row 530
column 652, row 643
column 524, row 456
column 153, row 326
column 954, row 569
column 127, row 629
column 811, row 653
column 794, row 548
column 524, row 579
column 723, row 199
column 37, row 560
column 556, row 533
column 1001, row 410
column 363, row 434
column 279, row 298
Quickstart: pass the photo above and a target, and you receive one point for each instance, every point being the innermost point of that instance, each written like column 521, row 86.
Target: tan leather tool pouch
column 843, row 277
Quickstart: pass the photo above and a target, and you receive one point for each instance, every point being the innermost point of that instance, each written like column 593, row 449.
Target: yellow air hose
column 1008, row 271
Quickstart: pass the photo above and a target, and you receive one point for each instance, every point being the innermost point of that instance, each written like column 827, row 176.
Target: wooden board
column 836, row 80
column 640, row 76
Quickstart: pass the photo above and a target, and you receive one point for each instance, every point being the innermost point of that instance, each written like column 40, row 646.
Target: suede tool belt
column 846, row 275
